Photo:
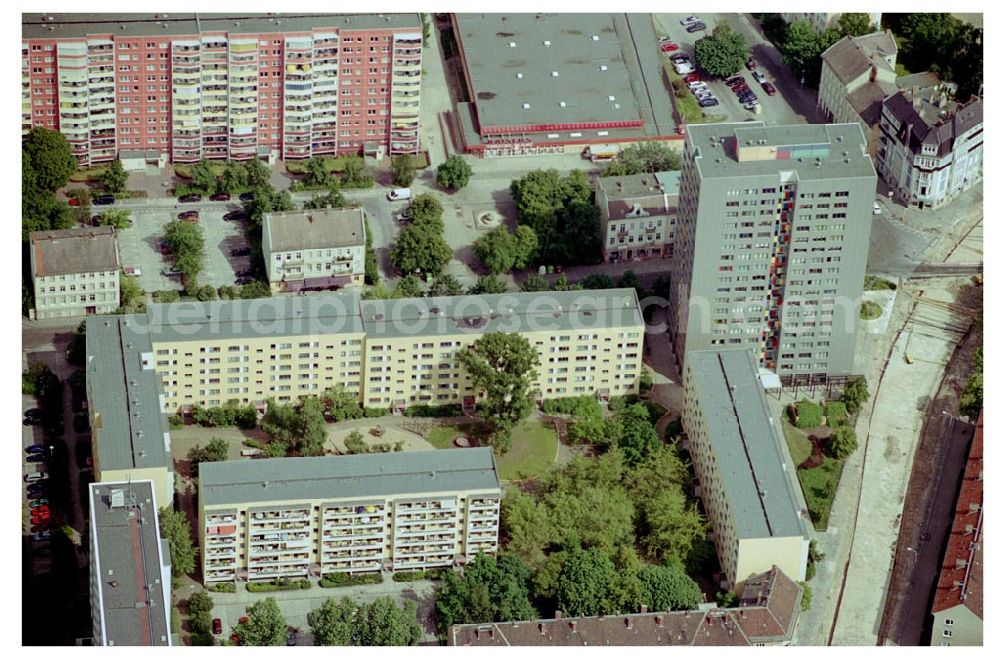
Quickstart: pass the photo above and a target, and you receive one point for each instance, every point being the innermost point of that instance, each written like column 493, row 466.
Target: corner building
column 771, row 245
column 223, row 86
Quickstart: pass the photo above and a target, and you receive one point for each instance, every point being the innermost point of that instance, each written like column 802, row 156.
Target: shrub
column 870, row 310
column 279, row 586
column 434, row 411
column 807, row 415
column 836, row 414
column 223, row 587
column 408, row 576
column 339, row 579
column 842, row 443
column 168, row 296
column 578, row 406
column 375, row 412
column 175, row 421
column 806, row 596
column 875, row 283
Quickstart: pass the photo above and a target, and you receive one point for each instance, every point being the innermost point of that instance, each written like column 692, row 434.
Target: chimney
column 572, row 626
column 558, row 614
column 628, row 622
column 643, row 608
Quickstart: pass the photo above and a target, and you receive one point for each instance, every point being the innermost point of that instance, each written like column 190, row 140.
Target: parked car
column 96, row 220
column 73, row 201
column 769, row 88
column 876, row 208
column 404, row 215
column 40, row 502
column 752, row 106
column 691, row 78
column 740, row 88
column 668, row 47
column 237, row 214
column 679, row 56
column 44, row 535
column 695, row 27
column 171, row 272
column 32, row 477
column 697, row 85
column 36, row 494
column 41, row 522
column 702, row 92
column 690, row 20
column 735, row 81
column 104, row 200
column 33, row 411
column 293, row 636
column 32, row 421
column 759, row 77
column 40, row 510
column 190, row 198
column 216, row 626
column 246, row 196
column 683, row 68
column 219, row 197
column 751, row 64
column 34, row 448
column 399, row 194
column 35, row 457
column 747, row 98
column 188, row 215
column 708, row 101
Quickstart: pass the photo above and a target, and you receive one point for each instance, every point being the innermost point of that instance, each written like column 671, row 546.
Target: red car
column 668, row 47
column 40, row 521
column 74, row 202
column 40, row 510
column 692, row 78
column 217, row 626
column 751, row 64
column 741, row 88
column 769, row 88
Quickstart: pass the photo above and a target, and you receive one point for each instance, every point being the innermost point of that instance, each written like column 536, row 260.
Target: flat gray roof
column 128, row 566
column 67, row 25
column 746, row 444
column 716, row 147
column 73, row 251
column 315, row 229
column 608, row 70
column 348, row 476
column 127, row 396
column 507, row 313
column 641, row 185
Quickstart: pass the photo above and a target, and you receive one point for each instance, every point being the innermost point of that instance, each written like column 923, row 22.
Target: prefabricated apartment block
column 223, row 86
column 772, row 244
column 294, row 517
column 745, row 473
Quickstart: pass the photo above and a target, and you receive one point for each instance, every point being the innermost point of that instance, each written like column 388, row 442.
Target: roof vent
column 555, row 74
column 595, row 38
column 513, row 45
column 604, row 68
column 547, row 43
column 562, row 104
column 525, row 106
column 520, row 75
column 611, row 98
column 117, row 502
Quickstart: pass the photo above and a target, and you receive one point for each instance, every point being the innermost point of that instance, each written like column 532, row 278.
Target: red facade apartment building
column 223, row 86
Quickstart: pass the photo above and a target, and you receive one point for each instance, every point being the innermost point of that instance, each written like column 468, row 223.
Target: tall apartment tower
column 223, row 86
column 772, row 244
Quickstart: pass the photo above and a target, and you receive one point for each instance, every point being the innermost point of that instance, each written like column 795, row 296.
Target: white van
column 36, row 476
column 400, row 194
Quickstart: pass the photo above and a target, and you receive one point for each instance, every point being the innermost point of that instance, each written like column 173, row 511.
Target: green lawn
column 819, row 484
column 532, row 451
column 870, row 310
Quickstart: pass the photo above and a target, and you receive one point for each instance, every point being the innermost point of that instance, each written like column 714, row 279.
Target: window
column 946, row 633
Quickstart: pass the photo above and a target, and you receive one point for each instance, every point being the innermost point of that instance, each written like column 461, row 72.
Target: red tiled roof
column 961, row 578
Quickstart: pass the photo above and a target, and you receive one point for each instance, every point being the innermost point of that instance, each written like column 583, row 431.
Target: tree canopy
column 942, row 43
column 175, row 528
column 380, row 623
column 187, row 243
column 216, row 450
column 419, row 250
column 668, row 588
column 403, row 170
column 114, row 178
column 455, row 173
column 51, row 158
column 500, row 251
column 855, row 24
column 646, row 157
column 723, row 52
column 843, row 442
column 561, row 211
column 489, row 589
column 301, row 428
column 266, row 625
column 489, row 284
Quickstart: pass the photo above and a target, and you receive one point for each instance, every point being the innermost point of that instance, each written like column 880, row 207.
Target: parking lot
column 779, row 109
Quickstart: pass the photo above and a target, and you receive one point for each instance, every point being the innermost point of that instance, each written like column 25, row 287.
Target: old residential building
column 958, row 599
column 743, row 468
column 129, row 567
column 295, row 517
column 638, row 214
column 771, row 245
column 930, row 149
column 75, row 272
column 858, row 73
column 768, row 611
column 224, row 86
column 314, row 249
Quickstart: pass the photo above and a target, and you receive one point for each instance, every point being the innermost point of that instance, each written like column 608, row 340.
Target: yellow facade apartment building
column 298, row 517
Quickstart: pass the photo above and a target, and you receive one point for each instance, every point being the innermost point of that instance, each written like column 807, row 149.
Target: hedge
column 279, row 586
column 339, row 579
column 222, row 587
column 578, row 406
column 374, row 412
column 410, row 576
column 434, row 411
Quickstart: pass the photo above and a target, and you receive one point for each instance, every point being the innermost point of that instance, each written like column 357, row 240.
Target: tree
column 318, row 172
column 114, row 177
column 234, row 177
column 51, row 158
column 668, row 588
column 216, row 450
column 527, row 526
column 855, row 394
column 419, row 249
column 175, row 528
column 384, row 623
column 843, row 442
column 425, row 207
column 333, row 622
column 339, row 405
column 333, row 199
column 257, row 174
column 203, row 177
column 803, row 47
column 646, row 157
column 266, row 625
column 310, row 433
column 855, row 24
column 200, row 602
column 131, row 294
column 355, row 443
column 971, row 401
column 503, row 366
column 354, row 173
column 117, row 218
column 671, row 526
column 597, row 281
column 632, row 432
column 587, row 584
column 446, row 285
column 535, row 282
column 560, row 210
column 500, row 251
column 489, row 589
column 489, row 284
column 403, row 170
column 454, row 174
column 186, row 242
column 410, row 287
column 723, row 53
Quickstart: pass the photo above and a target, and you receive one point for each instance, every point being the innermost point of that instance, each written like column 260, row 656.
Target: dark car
column 36, row 494
column 35, row 448
column 695, row 27
column 708, row 101
column 741, row 88
column 246, row 196
column 735, row 81
column 164, row 247
column 293, row 636
column 749, row 97
column 679, row 56
column 36, row 457
column 32, row 421
column 220, row 197
column 234, row 215
column 190, row 198
column 769, row 88
column 216, row 626
column 34, row 411
column 751, row 64
column 188, row 215
column 104, row 200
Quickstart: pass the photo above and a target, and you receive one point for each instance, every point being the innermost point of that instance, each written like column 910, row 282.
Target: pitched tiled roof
column 867, row 100
column 961, row 578
column 931, row 124
column 71, row 251
column 768, row 616
column 853, row 56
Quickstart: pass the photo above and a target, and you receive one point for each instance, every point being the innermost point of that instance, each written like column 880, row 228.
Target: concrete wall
column 756, row 556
